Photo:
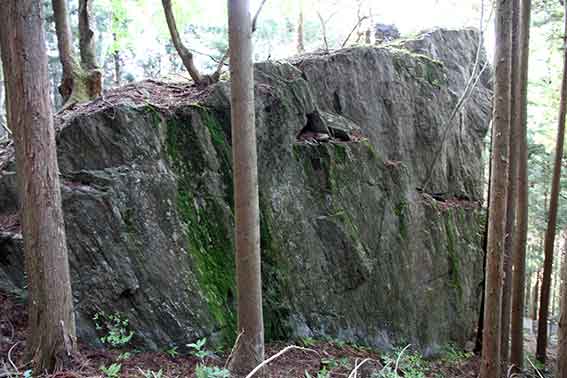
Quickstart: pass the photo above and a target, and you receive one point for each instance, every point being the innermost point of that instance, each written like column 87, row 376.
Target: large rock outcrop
column 353, row 246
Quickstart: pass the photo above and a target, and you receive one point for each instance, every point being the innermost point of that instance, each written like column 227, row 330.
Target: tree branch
column 353, row 29
column 255, row 19
column 323, row 30
column 469, row 87
column 184, row 53
column 281, row 352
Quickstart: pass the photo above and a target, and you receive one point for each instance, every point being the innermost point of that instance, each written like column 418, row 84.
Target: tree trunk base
column 81, row 86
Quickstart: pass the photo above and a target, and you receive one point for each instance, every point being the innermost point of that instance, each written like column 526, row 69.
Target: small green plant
column 329, row 363
column 198, row 349
column 113, row 371
column 533, row 362
column 320, row 374
column 323, row 373
column 114, row 327
column 344, row 362
column 172, row 352
column 308, row 341
column 454, row 355
column 151, row 374
column 204, row 371
column 411, row 364
column 124, row 356
column 28, row 373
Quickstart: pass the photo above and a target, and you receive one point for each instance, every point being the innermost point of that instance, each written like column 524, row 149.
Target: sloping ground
column 328, row 359
column 353, row 247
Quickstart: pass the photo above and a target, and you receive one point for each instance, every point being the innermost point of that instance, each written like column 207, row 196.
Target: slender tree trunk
column 512, row 194
column 250, row 350
column 527, row 295
column 368, row 32
column 554, row 289
column 535, row 303
column 300, row 25
column 86, row 36
column 51, row 339
column 116, row 57
column 480, row 324
column 184, row 53
column 78, row 83
column 3, row 125
column 64, row 44
column 552, row 220
column 520, row 238
column 490, row 362
column 562, row 333
column 358, row 27
column 87, row 50
column 117, row 73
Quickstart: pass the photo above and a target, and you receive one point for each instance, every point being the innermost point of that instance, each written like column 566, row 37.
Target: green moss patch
column 206, row 229
column 209, row 224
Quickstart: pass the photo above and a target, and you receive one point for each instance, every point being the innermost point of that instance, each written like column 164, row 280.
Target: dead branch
column 360, row 20
column 535, row 368
column 400, row 357
column 323, row 30
column 280, row 353
column 357, row 366
column 10, row 358
column 234, row 347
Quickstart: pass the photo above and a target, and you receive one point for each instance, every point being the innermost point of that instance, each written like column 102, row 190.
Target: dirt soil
column 316, row 357
column 339, row 359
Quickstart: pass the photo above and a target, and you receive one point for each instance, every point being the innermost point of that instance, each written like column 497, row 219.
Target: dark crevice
column 337, row 103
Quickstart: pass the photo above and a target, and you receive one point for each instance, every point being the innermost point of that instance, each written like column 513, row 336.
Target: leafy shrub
column 113, row 371
column 203, row 371
column 114, row 328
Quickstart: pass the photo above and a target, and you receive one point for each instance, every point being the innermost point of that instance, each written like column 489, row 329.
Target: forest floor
column 316, row 359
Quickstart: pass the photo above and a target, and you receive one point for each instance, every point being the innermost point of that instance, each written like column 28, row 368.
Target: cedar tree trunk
column 515, row 126
column 521, row 232
column 562, row 334
column 490, row 362
column 250, row 349
column 79, row 83
column 552, row 218
column 51, row 338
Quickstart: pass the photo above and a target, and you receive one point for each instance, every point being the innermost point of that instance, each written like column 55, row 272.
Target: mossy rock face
column 351, row 249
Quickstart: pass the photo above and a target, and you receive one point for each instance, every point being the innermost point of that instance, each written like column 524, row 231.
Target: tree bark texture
column 535, row 303
column 521, row 232
column 250, row 349
column 490, row 361
column 3, row 116
column 480, row 324
column 51, row 338
column 541, row 350
column 86, row 36
column 78, row 83
column 562, row 333
column 515, row 125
